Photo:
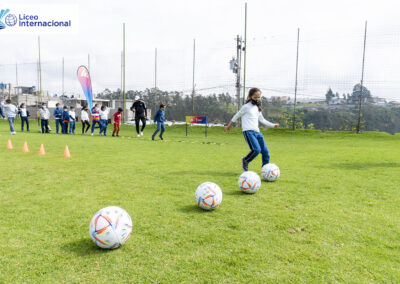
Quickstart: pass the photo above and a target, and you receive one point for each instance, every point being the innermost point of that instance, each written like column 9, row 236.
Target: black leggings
column 137, row 120
column 83, row 126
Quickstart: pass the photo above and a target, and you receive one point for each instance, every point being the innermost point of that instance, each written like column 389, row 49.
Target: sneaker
column 13, row 133
column 245, row 165
column 91, row 134
column 138, row 135
column 161, row 138
column 141, row 133
column 152, row 137
column 117, row 135
column 113, row 135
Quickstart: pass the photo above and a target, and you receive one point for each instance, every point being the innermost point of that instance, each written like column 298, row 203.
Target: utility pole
column 123, row 75
column 245, row 52
column 238, row 68
column 194, row 56
column 16, row 74
column 295, row 84
column 62, row 91
column 155, row 69
column 40, row 73
column 362, row 81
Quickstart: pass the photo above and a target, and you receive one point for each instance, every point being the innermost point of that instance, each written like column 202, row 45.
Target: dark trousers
column 65, row 127
column 45, row 125
column 59, row 124
column 160, row 126
column 24, row 119
column 87, row 126
column 94, row 124
column 257, row 145
column 137, row 122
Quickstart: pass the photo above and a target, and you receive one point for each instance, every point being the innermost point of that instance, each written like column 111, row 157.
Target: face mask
column 256, row 102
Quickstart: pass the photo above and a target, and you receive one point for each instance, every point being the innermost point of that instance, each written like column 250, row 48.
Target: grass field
column 333, row 216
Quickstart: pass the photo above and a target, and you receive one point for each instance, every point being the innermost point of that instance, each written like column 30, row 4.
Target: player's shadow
column 83, row 247
column 364, row 166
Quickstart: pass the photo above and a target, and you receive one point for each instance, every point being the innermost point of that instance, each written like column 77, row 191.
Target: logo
column 10, row 20
column 2, row 14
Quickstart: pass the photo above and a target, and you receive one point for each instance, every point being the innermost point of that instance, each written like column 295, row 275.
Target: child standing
column 117, row 121
column 159, row 118
column 58, row 117
column 251, row 115
column 65, row 120
column 44, row 118
column 11, row 111
column 24, row 113
column 72, row 120
column 85, row 119
column 95, row 117
column 104, row 120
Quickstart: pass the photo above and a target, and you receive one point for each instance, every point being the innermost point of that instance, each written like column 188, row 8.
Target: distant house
column 22, row 90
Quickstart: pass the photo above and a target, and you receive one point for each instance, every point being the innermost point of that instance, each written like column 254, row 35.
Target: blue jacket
column 65, row 115
column 57, row 113
column 160, row 116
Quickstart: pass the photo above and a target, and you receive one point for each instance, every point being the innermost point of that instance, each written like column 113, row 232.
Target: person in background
column 140, row 110
column 104, row 120
column 95, row 117
column 65, row 120
column 24, row 113
column 11, row 111
column 44, row 118
column 85, row 119
column 117, row 121
column 159, row 118
column 57, row 116
column 72, row 120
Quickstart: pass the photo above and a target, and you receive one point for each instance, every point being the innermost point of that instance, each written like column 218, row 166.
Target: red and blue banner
column 86, row 83
column 196, row 119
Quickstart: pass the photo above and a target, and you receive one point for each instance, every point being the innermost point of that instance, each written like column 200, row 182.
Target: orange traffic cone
column 25, row 148
column 9, row 145
column 66, row 152
column 41, row 150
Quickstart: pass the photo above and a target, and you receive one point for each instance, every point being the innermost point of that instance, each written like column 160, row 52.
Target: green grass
column 333, row 216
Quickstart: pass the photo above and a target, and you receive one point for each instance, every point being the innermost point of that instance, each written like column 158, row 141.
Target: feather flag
column 84, row 79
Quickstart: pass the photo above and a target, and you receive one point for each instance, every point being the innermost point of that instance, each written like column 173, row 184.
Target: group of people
column 65, row 118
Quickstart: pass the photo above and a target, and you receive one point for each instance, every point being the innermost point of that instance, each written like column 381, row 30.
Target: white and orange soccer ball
column 208, row 196
column 249, row 182
column 270, row 172
column 110, row 227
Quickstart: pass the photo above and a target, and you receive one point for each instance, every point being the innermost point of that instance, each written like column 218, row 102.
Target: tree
column 329, row 95
column 355, row 95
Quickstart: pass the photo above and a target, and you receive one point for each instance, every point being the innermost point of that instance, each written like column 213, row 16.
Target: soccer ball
column 270, row 172
column 110, row 227
column 208, row 196
column 249, row 182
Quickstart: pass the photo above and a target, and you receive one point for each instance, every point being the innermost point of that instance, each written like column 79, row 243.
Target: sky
column 330, row 47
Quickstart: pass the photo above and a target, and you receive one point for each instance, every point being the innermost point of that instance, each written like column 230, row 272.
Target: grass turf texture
column 333, row 216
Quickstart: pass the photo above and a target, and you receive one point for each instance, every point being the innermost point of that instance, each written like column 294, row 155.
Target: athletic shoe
column 138, row 135
column 152, row 137
column 117, row 135
column 113, row 135
column 13, row 133
column 91, row 134
column 141, row 133
column 245, row 165
column 161, row 138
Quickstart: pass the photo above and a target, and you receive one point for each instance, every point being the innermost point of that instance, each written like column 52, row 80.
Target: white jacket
column 72, row 116
column 104, row 113
column 84, row 115
column 44, row 113
column 10, row 109
column 250, row 117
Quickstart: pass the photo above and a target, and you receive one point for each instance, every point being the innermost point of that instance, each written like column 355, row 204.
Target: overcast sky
column 330, row 55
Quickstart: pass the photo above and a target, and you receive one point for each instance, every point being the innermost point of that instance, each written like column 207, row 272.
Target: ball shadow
column 193, row 209
column 83, row 247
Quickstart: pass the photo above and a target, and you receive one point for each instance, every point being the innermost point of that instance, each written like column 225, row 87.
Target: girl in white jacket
column 251, row 114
